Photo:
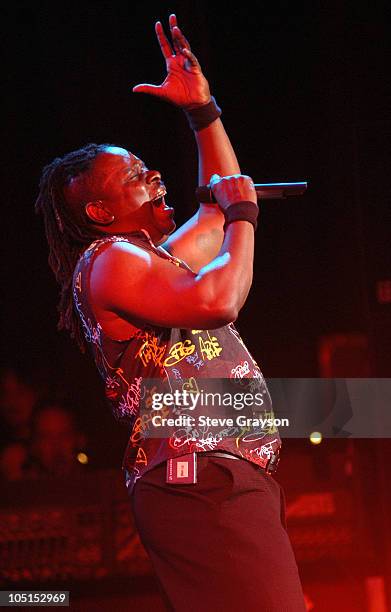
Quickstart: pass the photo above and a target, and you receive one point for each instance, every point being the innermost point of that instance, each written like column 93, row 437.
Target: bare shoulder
column 120, row 258
column 125, row 268
column 122, row 250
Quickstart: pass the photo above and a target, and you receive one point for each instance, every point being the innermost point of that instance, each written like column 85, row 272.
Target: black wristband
column 200, row 117
column 241, row 211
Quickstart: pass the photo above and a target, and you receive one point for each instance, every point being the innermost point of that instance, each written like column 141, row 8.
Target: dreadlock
column 67, row 237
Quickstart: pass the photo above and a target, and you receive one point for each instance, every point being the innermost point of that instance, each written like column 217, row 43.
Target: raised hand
column 185, row 85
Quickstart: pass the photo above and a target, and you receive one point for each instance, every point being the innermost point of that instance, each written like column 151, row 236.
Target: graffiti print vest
column 178, row 356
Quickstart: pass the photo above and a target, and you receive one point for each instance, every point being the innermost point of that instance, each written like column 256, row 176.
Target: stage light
column 82, row 458
column 315, row 437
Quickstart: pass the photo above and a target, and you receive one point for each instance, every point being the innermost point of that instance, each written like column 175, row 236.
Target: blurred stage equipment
column 344, row 355
column 80, row 531
column 78, row 528
column 330, row 524
column 371, row 163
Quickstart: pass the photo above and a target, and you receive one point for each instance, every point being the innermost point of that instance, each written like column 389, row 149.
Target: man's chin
column 167, row 233
column 173, row 227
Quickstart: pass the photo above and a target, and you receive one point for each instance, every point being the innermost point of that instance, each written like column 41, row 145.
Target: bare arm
column 136, row 285
column 199, row 240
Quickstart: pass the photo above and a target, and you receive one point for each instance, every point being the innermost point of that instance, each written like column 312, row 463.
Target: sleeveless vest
column 177, row 356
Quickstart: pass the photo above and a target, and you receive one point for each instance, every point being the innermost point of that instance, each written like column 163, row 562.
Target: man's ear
column 98, row 213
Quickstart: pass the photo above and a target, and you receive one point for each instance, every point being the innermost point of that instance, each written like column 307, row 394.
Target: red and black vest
column 178, row 356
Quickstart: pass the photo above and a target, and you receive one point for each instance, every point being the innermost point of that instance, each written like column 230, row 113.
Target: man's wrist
column 241, row 211
column 199, row 117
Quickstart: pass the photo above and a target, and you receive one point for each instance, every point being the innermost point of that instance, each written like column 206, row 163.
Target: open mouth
column 159, row 197
column 158, row 201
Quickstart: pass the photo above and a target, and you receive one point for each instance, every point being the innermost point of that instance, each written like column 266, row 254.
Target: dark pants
column 220, row 544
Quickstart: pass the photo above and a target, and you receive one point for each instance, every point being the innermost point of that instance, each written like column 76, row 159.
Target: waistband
column 218, row 454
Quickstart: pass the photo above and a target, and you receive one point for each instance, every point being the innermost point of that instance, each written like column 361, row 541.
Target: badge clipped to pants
column 182, row 470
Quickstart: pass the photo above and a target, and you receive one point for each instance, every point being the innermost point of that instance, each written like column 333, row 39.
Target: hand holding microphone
column 236, row 197
column 228, row 190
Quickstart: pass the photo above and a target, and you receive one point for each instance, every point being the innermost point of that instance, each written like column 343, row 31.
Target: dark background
column 305, row 93
column 304, row 90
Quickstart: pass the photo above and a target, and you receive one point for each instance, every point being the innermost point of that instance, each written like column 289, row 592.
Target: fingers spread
column 179, row 42
column 163, row 40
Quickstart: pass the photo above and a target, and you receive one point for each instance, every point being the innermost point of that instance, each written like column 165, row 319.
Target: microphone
column 265, row 191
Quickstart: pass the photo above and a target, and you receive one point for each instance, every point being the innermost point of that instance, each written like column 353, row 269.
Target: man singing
column 152, row 302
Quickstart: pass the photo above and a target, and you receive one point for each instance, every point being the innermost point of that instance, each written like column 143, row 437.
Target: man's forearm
column 215, row 153
column 200, row 239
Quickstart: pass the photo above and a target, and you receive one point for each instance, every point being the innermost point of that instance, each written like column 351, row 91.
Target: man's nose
column 153, row 175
